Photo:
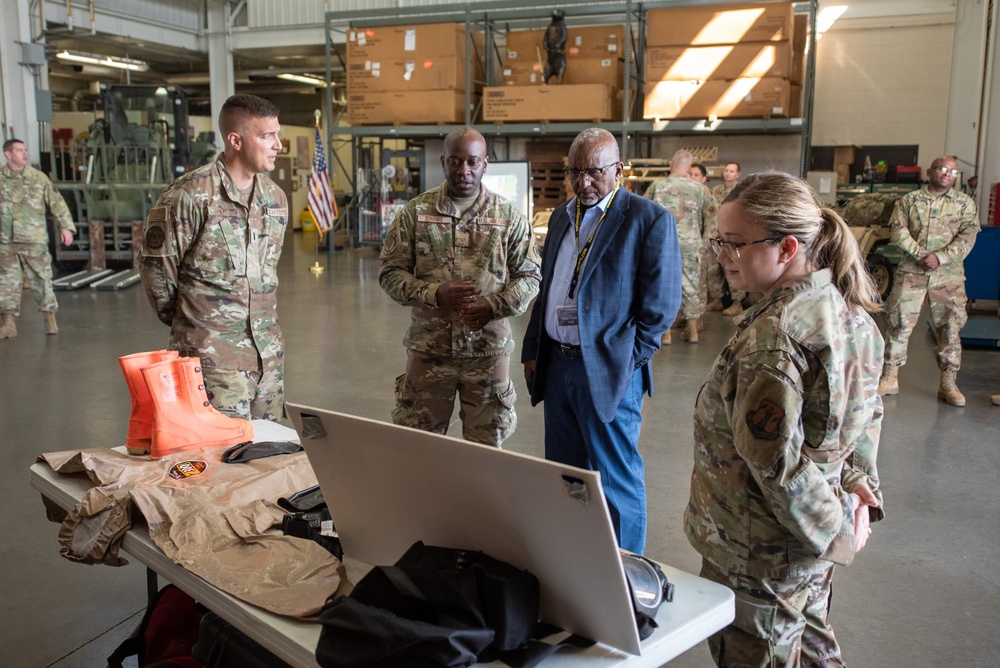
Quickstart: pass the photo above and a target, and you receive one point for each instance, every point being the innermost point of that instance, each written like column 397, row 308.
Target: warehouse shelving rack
column 496, row 17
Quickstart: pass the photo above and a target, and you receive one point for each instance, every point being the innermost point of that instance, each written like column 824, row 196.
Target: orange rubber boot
column 140, row 421
column 183, row 418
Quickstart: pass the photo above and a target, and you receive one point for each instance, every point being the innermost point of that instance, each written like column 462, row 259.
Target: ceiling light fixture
column 312, row 81
column 106, row 61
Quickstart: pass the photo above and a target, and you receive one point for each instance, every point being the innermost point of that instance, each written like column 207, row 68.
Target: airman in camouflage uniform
column 464, row 259
column 786, row 431
column 24, row 237
column 209, row 264
column 693, row 207
column 730, row 177
column 935, row 227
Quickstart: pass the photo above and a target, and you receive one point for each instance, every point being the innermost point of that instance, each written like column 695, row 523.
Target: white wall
column 884, row 81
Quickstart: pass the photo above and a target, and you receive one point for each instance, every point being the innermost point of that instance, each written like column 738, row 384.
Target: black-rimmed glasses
column 732, row 248
column 593, row 173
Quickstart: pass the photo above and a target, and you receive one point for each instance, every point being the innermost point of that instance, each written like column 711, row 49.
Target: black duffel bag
column 435, row 607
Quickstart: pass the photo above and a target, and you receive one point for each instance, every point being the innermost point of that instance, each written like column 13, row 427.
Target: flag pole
column 316, row 269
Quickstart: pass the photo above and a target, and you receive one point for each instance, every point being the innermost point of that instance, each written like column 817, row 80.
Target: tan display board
column 722, row 61
column 719, row 24
column 420, row 107
column 580, row 102
column 739, row 98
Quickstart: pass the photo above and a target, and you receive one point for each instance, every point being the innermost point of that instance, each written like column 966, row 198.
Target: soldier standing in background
column 694, row 209
column 209, row 263
column 935, row 228
column 24, row 238
column 698, row 173
column 730, row 177
column 464, row 259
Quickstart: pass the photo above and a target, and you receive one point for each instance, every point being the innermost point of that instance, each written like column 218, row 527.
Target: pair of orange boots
column 170, row 408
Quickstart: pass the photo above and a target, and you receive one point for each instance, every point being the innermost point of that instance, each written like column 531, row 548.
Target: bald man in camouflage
column 935, row 227
column 694, row 209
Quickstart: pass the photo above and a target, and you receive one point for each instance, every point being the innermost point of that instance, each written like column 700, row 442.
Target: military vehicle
column 868, row 214
column 112, row 175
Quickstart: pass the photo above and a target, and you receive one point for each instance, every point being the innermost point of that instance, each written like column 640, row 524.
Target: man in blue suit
column 611, row 286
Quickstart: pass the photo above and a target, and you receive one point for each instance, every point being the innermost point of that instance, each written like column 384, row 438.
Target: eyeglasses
column 593, row 173
column 473, row 163
column 732, row 248
column 946, row 171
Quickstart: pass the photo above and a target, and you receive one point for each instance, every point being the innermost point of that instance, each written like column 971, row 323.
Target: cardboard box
column 724, row 61
column 398, row 74
column 578, row 71
column 843, row 158
column 420, row 107
column 585, row 42
column 387, row 43
column 739, row 98
column 719, row 24
column 582, row 102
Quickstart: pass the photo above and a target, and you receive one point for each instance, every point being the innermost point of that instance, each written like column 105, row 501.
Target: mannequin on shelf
column 555, row 47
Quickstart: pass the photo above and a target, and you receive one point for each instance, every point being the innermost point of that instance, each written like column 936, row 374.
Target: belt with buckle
column 571, row 352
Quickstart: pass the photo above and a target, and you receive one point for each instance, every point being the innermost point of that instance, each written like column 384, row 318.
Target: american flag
column 321, row 202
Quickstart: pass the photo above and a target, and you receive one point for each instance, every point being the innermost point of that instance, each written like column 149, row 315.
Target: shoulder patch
column 765, row 420
column 156, row 241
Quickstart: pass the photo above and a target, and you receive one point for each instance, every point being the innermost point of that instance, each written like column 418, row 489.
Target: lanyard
column 586, row 247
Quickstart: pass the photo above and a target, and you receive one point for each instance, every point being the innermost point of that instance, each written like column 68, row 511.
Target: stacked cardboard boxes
column 725, row 61
column 590, row 87
column 593, row 56
column 416, row 74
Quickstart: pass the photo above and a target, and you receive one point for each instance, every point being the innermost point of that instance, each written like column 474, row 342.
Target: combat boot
column 49, row 320
column 948, row 390
column 889, row 383
column 138, row 441
column 734, row 309
column 8, row 328
column 183, row 417
column 714, row 305
column 667, row 338
column 691, row 331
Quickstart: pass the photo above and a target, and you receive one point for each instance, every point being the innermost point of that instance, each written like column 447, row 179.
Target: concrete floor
column 924, row 592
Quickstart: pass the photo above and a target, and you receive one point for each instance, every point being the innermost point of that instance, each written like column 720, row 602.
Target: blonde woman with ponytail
column 786, row 426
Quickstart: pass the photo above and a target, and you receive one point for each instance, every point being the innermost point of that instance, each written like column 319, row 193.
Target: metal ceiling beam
column 135, row 27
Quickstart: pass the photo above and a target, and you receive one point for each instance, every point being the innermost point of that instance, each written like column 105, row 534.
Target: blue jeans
column 575, row 435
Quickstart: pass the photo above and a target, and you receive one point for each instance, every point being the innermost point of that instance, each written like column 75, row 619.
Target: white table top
column 699, row 609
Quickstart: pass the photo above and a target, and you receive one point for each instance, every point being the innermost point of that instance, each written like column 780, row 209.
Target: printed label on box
column 410, row 40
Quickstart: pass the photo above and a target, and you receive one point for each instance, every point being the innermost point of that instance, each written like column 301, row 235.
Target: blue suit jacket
column 628, row 296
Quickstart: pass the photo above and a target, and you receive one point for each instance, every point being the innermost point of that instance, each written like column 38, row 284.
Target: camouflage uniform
column 947, row 226
column 717, row 276
column 712, row 275
column 693, row 207
column 209, row 265
column 24, row 237
column 431, row 243
column 787, row 421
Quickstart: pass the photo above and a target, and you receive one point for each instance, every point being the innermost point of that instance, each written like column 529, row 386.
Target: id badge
column 566, row 315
